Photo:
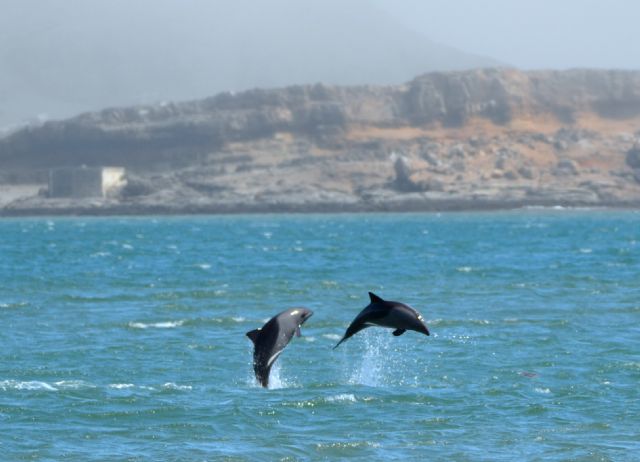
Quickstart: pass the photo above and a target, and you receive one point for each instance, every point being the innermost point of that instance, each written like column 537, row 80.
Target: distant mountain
column 62, row 57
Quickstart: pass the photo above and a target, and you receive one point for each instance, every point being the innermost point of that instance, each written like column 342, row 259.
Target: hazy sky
column 61, row 57
column 531, row 33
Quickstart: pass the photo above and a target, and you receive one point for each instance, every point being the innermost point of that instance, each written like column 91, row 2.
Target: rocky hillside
column 469, row 139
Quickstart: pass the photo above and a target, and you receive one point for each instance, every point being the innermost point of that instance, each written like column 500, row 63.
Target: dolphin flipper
column 399, row 332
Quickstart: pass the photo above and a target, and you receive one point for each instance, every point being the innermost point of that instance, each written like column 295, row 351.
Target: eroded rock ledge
column 461, row 140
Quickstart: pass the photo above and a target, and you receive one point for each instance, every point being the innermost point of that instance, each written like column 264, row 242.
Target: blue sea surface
column 124, row 338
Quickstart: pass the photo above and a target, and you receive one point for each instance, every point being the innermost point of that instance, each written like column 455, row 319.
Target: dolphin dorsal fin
column 374, row 298
column 253, row 335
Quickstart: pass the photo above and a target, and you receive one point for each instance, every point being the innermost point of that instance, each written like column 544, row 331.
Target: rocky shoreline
column 473, row 140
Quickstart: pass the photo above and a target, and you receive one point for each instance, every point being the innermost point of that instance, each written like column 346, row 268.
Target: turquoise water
column 123, row 338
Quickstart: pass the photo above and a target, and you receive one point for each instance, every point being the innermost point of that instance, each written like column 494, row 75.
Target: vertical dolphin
column 270, row 340
column 384, row 313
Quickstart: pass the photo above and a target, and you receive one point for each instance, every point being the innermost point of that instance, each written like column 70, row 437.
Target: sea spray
column 372, row 368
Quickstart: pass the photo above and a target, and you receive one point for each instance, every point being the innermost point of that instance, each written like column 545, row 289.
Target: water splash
column 374, row 365
column 277, row 380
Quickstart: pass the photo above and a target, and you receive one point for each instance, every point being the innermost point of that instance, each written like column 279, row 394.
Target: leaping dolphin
column 384, row 313
column 269, row 340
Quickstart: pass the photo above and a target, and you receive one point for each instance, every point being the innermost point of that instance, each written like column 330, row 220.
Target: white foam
column 238, row 319
column 175, row 386
column 464, row 269
column 157, row 325
column 332, row 336
column 121, row 386
column 343, row 397
column 73, row 384
column 26, row 385
column 127, row 246
column 204, row 266
column 544, row 391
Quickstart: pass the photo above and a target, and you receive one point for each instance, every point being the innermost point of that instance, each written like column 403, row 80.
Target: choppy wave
column 26, row 385
column 121, row 386
column 341, row 398
column 156, row 325
column 64, row 385
column 175, row 386
column 32, row 385
column 335, row 337
column 13, row 305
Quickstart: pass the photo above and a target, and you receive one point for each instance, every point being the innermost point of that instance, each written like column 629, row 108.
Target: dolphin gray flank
column 270, row 340
column 385, row 313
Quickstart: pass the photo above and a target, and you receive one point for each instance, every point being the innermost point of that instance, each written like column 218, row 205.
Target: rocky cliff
column 482, row 138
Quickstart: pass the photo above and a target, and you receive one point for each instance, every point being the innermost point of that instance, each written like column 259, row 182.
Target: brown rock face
column 481, row 138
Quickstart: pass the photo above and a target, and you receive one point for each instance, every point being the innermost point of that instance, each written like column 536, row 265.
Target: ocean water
column 123, row 338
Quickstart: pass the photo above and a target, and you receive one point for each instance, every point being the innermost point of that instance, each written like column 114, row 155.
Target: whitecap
column 464, row 269
column 26, row 385
column 343, row 397
column 121, row 386
column 332, row 336
column 586, row 250
column 73, row 384
column 157, row 325
column 204, row 266
column 238, row 319
column 175, row 386
column 309, row 338
column 127, row 246
column 544, row 391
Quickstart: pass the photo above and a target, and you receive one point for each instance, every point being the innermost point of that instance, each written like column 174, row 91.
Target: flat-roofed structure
column 82, row 182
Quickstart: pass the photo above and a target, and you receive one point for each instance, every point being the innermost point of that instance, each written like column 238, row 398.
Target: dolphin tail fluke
column 253, row 335
column 341, row 340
